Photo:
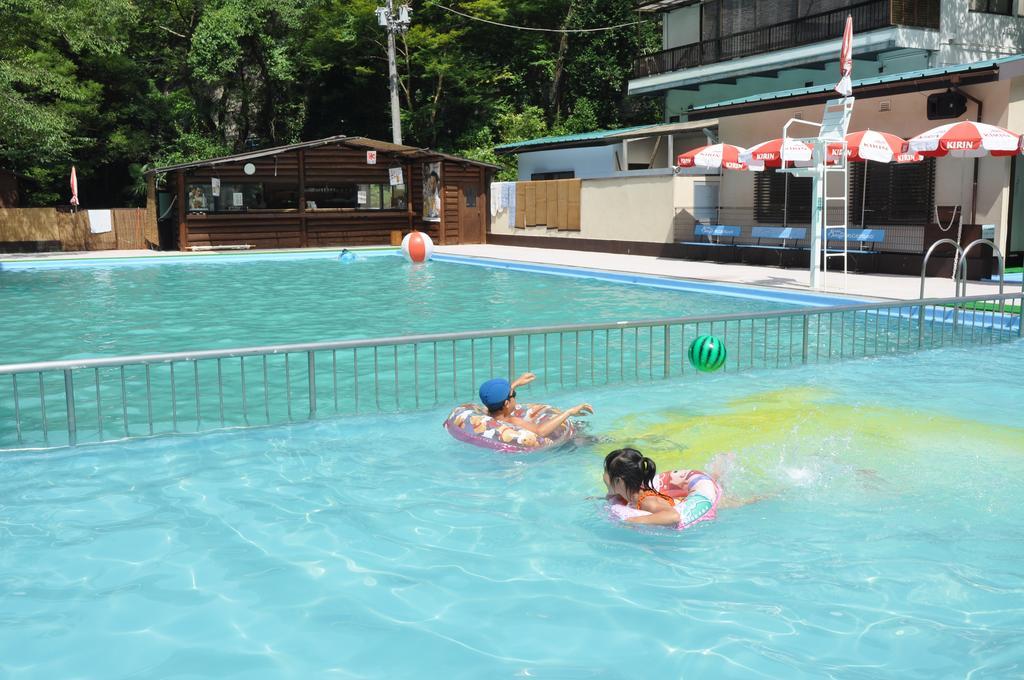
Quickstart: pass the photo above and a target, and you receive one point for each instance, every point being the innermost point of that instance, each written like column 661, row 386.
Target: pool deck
column 878, row 286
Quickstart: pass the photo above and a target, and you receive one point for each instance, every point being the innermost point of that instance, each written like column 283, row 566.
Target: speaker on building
column 947, row 104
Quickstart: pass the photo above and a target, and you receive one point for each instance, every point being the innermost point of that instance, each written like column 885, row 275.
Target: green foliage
column 114, row 86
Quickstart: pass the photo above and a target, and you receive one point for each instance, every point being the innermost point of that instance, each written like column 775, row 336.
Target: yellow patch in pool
column 805, row 420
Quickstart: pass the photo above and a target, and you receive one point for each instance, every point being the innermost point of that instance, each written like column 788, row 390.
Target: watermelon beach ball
column 707, row 353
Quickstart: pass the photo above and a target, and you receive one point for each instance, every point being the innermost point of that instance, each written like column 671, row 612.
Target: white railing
column 62, row 403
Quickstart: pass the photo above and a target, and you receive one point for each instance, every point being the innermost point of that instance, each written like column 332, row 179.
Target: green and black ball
column 707, row 353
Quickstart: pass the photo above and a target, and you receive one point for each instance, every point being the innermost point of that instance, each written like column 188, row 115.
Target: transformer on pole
column 394, row 23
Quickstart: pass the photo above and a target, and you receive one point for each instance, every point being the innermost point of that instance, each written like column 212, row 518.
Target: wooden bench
column 711, row 235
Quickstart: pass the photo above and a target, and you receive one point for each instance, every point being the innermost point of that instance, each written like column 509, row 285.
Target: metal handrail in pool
column 143, row 395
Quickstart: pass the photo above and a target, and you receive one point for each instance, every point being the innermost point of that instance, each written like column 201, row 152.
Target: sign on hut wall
column 432, row 191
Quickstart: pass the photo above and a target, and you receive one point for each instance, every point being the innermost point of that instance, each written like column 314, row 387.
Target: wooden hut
column 338, row 191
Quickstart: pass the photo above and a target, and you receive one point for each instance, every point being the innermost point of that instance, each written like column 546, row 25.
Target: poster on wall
column 215, row 186
column 395, row 177
column 432, row 191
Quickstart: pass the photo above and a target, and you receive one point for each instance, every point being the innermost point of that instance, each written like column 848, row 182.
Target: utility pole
column 399, row 23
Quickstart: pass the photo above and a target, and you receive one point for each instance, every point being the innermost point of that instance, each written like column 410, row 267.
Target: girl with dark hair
column 678, row 498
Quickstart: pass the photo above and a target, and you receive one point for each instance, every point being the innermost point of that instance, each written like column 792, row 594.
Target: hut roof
column 396, row 150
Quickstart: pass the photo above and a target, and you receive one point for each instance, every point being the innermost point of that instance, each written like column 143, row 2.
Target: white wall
column 681, row 27
column 906, row 118
column 973, row 36
column 586, row 161
column 965, row 37
column 1015, row 122
column 621, row 209
column 608, row 160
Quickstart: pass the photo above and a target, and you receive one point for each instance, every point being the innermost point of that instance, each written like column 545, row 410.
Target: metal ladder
column 832, row 202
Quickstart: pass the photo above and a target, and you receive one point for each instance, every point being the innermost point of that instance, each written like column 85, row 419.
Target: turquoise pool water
column 123, row 309
column 888, row 544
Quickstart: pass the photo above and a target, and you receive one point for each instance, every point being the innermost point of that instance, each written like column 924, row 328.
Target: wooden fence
column 553, row 203
column 31, row 229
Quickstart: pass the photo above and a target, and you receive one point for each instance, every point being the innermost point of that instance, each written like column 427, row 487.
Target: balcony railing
column 805, row 30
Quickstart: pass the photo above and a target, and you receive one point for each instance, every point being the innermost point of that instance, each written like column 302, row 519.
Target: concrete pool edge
column 662, row 281
column 651, row 280
column 59, row 261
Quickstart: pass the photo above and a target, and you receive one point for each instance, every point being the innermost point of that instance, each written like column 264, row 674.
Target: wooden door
column 472, row 207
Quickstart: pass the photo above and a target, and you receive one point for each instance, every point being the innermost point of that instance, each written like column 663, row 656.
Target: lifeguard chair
column 828, row 170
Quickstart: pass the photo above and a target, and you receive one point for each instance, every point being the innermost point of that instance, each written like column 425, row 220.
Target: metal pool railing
column 61, row 403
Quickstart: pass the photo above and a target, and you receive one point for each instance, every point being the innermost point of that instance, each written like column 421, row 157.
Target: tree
column 115, row 85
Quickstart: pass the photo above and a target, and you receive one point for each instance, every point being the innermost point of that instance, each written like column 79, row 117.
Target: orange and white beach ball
column 417, row 246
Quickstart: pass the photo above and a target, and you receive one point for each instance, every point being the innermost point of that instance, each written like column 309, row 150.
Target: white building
column 739, row 69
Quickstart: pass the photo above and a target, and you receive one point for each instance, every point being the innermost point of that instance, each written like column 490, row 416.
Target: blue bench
column 711, row 236
column 711, row 233
column 783, row 234
column 858, row 236
column 777, row 246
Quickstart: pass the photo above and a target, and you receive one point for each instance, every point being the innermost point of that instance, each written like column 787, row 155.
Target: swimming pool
column 75, row 310
column 378, row 547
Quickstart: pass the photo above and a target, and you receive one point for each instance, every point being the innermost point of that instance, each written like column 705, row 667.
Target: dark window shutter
column 896, row 194
column 923, row 13
column 770, row 202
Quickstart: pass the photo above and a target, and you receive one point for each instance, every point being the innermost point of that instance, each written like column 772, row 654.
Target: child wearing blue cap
column 499, row 398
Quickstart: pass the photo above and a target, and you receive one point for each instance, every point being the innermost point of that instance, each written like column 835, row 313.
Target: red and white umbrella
column 966, row 139
column 871, row 145
column 74, row 186
column 769, row 154
column 845, row 86
column 713, row 157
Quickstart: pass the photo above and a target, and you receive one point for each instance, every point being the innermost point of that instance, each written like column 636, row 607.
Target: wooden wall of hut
column 304, row 226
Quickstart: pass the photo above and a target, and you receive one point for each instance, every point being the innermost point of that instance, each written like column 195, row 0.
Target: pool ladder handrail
column 960, row 278
column 960, row 275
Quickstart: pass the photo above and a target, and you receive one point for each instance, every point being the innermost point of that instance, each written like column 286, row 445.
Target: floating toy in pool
column 417, row 246
column 471, row 423
column 707, row 353
column 695, row 492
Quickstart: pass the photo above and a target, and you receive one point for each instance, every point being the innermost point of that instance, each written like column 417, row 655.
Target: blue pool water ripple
column 148, row 309
column 378, row 547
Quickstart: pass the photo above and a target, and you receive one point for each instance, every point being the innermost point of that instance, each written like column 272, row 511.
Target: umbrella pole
column 721, row 178
column 864, row 194
column 785, row 204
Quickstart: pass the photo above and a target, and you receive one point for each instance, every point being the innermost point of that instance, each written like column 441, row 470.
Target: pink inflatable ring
column 471, row 423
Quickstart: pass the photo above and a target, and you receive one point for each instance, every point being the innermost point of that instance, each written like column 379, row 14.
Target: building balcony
column 813, row 28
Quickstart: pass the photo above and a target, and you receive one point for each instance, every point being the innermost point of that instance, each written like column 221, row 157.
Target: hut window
column 232, row 197
column 397, row 196
column 332, row 195
column 280, row 196
column 358, row 196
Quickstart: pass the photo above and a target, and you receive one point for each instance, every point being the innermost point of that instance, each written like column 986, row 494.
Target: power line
column 540, row 30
